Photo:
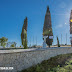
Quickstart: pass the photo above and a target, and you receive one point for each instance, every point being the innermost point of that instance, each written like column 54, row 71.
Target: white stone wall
column 22, row 59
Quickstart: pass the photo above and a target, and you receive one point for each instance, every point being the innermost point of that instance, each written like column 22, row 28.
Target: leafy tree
column 58, row 42
column 34, row 46
column 20, row 45
column 3, row 41
column 15, row 44
column 12, row 45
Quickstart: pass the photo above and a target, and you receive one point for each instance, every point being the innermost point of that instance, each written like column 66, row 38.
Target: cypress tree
column 47, row 28
column 58, row 42
column 24, row 34
column 25, row 39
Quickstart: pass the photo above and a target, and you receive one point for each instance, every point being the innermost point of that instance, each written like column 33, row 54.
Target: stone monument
column 44, row 43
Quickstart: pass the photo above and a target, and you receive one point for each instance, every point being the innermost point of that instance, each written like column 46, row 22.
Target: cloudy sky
column 13, row 13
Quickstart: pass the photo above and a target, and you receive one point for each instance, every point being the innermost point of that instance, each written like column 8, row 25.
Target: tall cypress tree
column 25, row 40
column 24, row 33
column 47, row 28
column 58, row 42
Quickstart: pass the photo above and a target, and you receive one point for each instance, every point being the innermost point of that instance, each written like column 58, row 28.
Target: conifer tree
column 58, row 42
column 25, row 39
column 47, row 28
column 24, row 34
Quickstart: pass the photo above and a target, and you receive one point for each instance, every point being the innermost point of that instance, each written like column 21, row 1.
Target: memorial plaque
column 50, row 37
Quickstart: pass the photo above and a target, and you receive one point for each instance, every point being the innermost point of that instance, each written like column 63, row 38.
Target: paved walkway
column 32, row 49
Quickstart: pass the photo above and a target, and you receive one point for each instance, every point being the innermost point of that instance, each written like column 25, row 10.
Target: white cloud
column 59, row 26
column 65, row 23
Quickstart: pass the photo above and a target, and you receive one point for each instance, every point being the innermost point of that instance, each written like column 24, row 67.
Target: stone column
column 44, row 43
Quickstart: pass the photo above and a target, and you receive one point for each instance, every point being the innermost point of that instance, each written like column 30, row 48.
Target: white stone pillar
column 44, row 43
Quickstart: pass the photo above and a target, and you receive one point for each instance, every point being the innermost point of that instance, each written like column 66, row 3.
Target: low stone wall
column 22, row 59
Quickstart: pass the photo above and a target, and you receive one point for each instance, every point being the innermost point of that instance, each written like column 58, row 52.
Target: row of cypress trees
column 24, row 35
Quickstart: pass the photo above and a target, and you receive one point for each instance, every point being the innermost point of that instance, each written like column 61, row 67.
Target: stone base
column 44, row 45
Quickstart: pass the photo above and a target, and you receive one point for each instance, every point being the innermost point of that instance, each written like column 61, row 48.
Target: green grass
column 60, row 63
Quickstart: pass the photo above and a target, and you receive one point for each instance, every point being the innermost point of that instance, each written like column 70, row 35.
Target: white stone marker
column 44, row 43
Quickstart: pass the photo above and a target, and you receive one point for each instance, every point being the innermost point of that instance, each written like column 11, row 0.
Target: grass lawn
column 60, row 63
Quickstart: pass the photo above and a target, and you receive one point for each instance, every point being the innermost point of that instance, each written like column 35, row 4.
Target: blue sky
column 13, row 13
